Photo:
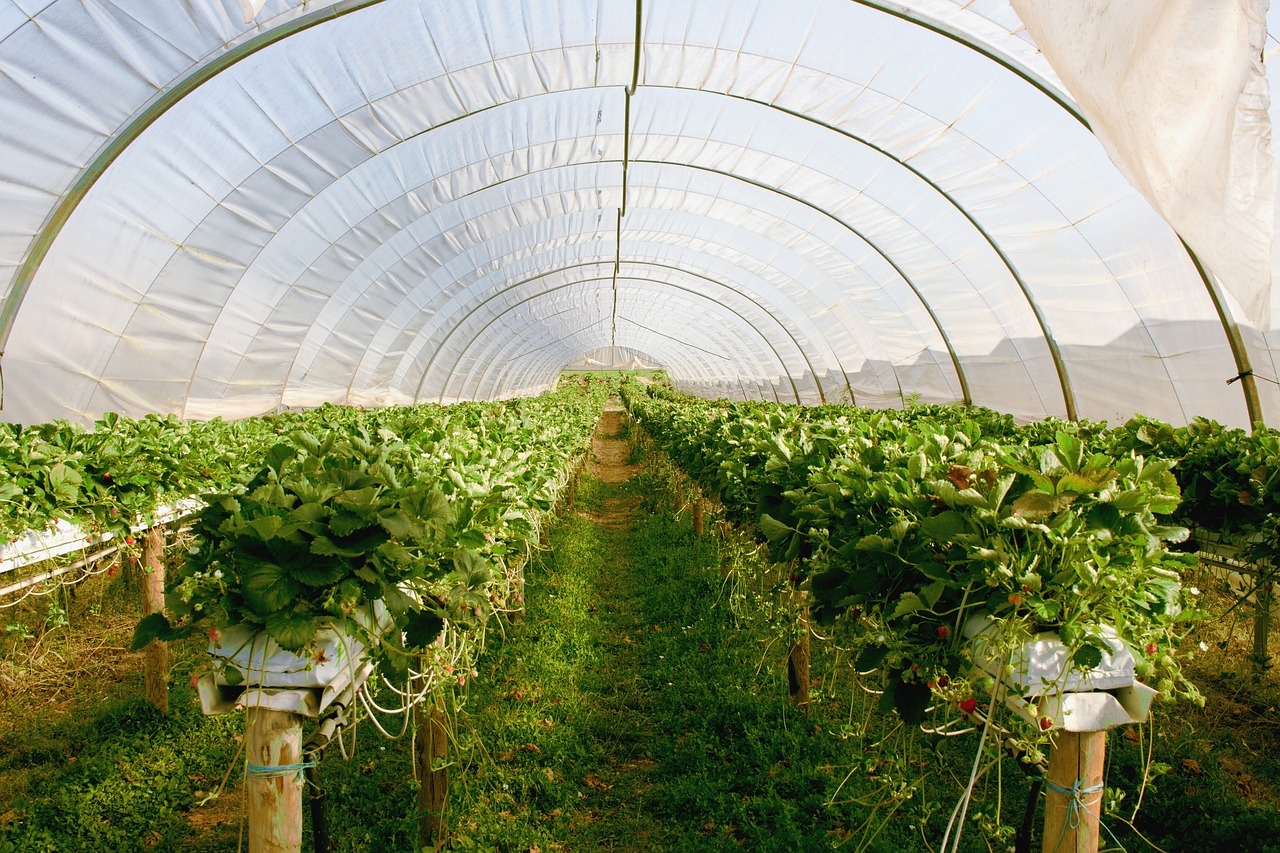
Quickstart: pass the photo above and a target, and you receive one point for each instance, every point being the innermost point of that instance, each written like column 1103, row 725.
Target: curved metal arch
column 875, row 247
column 548, row 273
column 489, row 365
column 545, row 362
column 961, row 376
column 453, row 367
column 804, row 355
column 163, row 101
column 688, row 344
column 45, row 236
column 526, row 371
column 1055, row 352
column 1050, row 341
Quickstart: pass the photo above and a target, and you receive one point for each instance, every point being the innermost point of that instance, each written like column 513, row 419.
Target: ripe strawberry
column 943, row 632
column 128, row 540
column 1152, row 648
column 1015, row 599
column 943, row 681
column 968, row 705
column 1045, row 724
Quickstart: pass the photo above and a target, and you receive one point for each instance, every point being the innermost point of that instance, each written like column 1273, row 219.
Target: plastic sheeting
column 395, row 200
column 1176, row 93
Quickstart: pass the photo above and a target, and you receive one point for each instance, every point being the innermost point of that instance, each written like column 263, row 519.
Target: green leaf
column 397, row 523
column 265, row 526
column 343, row 523
column 156, row 627
column 871, row 658
column 267, row 587
column 1088, row 657
column 363, row 501
column 910, row 698
column 1039, row 504
column 909, row 603
column 422, row 628
column 931, row 593
column 323, row 546
column 232, row 675
column 943, row 527
column 292, row 630
column 774, row 530
column 318, row 572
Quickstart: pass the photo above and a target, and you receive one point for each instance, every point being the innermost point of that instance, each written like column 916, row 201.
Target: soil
column 609, row 454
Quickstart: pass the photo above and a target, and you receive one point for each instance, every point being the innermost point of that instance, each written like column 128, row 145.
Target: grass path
column 627, row 713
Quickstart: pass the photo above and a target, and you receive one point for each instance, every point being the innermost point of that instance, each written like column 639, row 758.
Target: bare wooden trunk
column 433, row 748
column 275, row 791
column 1072, row 820
column 698, row 521
column 155, row 657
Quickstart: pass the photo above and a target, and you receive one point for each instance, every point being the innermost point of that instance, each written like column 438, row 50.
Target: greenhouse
column 897, row 378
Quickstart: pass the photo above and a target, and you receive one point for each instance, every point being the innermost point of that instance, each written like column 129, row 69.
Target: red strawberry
column 128, row 540
column 968, row 705
column 943, row 681
column 1045, row 724
column 1152, row 648
column 1015, row 599
column 943, row 632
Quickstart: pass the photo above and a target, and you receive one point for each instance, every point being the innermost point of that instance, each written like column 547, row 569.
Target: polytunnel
column 215, row 209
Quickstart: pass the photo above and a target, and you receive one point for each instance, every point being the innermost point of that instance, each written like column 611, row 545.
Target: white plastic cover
column 376, row 201
column 1176, row 93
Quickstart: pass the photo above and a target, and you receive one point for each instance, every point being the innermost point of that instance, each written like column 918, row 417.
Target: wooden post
column 1076, row 757
column 516, row 614
column 1262, row 625
column 433, row 791
column 155, row 657
column 698, row 523
column 275, row 796
column 798, row 668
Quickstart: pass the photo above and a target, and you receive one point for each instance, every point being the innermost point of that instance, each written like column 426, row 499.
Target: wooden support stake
column 1076, row 757
column 516, row 614
column 1262, row 625
column 155, row 657
column 798, row 668
column 275, row 796
column 698, row 522
column 433, row 777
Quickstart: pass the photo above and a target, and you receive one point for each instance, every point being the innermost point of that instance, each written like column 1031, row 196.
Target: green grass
column 632, row 711
column 115, row 779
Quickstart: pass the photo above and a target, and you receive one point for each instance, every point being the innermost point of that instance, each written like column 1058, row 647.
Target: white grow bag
column 281, row 680
column 1073, row 699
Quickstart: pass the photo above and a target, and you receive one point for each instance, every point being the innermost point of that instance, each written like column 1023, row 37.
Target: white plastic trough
column 1075, row 700
column 280, row 680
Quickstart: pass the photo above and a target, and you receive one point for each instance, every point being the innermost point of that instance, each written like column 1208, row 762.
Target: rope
column 1076, row 807
column 278, row 771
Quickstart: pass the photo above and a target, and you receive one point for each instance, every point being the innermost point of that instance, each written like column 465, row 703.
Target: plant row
column 909, row 527
column 386, row 523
